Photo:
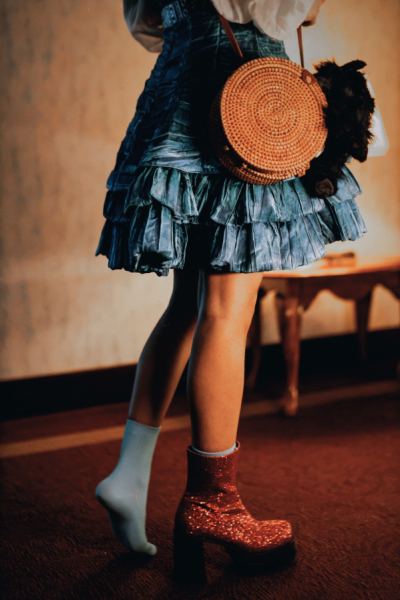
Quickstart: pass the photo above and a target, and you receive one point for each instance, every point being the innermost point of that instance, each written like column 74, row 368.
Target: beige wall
column 73, row 74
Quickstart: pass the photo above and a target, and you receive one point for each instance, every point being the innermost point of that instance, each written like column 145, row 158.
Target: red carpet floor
column 333, row 472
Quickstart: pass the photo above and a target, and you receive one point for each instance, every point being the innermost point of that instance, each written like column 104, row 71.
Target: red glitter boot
column 211, row 510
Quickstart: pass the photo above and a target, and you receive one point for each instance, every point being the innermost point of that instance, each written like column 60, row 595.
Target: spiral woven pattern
column 267, row 122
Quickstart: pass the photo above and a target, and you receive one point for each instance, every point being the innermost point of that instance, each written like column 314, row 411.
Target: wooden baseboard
column 324, row 360
column 250, row 409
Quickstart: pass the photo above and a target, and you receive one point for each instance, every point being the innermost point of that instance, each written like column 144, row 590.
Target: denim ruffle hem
column 171, row 204
column 168, row 218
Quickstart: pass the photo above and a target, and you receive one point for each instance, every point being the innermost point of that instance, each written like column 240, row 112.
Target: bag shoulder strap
column 231, row 36
column 237, row 48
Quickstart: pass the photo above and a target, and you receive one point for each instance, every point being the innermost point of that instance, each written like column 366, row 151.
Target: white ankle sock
column 124, row 492
column 219, row 453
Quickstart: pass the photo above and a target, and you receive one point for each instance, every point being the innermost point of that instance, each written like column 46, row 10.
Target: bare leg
column 216, row 367
column 166, row 352
column 211, row 508
column 124, row 492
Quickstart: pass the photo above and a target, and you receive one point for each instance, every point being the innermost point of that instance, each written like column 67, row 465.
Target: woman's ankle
column 217, row 453
column 145, row 422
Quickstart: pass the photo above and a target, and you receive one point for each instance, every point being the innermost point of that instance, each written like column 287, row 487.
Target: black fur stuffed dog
column 348, row 120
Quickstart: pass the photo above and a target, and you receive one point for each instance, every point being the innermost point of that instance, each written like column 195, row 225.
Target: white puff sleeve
column 148, row 35
column 277, row 18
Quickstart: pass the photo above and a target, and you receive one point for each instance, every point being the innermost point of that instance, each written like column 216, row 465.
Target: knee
column 235, row 315
column 229, row 300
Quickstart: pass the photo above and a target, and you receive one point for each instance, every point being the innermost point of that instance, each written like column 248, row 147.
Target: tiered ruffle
column 168, row 218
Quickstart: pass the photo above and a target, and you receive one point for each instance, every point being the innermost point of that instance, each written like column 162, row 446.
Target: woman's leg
column 211, row 508
column 124, row 492
column 215, row 380
column 166, row 352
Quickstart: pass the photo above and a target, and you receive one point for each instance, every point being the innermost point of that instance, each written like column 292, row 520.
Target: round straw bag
column 267, row 122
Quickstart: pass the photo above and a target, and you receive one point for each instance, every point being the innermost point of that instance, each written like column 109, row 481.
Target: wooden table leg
column 255, row 342
column 362, row 308
column 289, row 319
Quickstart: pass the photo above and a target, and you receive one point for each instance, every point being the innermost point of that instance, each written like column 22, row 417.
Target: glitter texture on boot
column 211, row 510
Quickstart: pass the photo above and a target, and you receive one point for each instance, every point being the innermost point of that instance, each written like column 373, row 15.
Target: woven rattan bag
column 267, row 122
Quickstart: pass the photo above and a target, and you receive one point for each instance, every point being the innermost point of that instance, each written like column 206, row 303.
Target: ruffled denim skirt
column 171, row 205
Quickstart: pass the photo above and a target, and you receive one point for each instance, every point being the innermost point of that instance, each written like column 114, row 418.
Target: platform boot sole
column 189, row 561
column 273, row 558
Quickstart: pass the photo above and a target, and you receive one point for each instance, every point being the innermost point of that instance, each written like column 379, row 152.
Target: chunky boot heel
column 211, row 510
column 271, row 559
column 188, row 557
